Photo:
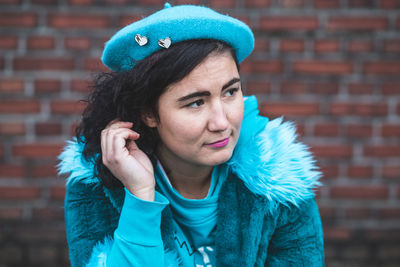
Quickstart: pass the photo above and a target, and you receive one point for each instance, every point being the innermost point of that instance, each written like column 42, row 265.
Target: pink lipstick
column 220, row 143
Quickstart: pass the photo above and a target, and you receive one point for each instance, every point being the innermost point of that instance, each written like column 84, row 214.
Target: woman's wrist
column 143, row 193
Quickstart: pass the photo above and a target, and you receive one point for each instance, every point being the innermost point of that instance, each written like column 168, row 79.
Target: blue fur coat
column 267, row 215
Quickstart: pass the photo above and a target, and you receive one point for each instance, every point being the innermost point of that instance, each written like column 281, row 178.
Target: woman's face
column 200, row 116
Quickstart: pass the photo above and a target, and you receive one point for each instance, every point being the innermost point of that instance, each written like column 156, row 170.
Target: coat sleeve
column 298, row 238
column 92, row 240
column 89, row 219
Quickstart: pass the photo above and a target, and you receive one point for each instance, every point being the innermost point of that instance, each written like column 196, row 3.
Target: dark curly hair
column 125, row 95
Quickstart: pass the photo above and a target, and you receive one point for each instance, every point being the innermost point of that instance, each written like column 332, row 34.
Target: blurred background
column 331, row 66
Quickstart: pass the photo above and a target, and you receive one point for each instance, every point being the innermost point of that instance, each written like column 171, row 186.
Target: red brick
column 47, row 86
column 327, row 212
column 324, row 88
column 261, row 87
column 337, row 233
column 390, row 130
column 48, row 128
column 222, row 3
column 382, row 235
column 81, row 86
column 57, row 193
column 382, row 67
column 291, row 3
column 8, row 42
column 360, row 46
column 49, row 214
column 382, row 151
column 94, row 64
column 10, row 2
column 43, row 64
column 359, row 109
column 257, row 3
column 322, row 67
column 19, row 193
column 73, row 129
column 391, row 88
column 77, row 43
column 118, row 2
column 19, row 106
column 357, row 23
column 12, row 170
column 18, row 19
column 354, row 171
column 128, row 19
column 324, row 46
column 270, row 66
column 78, row 21
column 261, row 45
column 284, row 23
column 326, row 4
column 36, row 150
column 1, row 63
column 389, row 4
column 11, row 85
column 187, row 2
column 44, row 2
column 359, row 192
column 42, row 253
column 293, row 88
column 12, row 128
column 329, row 171
column 41, row 42
column 358, row 213
column 43, row 171
column 332, row 151
column 286, row 108
column 360, row 88
column 1, row 150
column 158, row 3
column 11, row 213
column 392, row 46
column 357, row 130
column 389, row 213
column 67, row 107
column 291, row 46
column 361, row 3
column 326, row 129
column 391, row 172
column 80, row 2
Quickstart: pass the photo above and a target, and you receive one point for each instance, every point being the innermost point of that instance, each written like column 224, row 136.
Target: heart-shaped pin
column 165, row 43
column 141, row 40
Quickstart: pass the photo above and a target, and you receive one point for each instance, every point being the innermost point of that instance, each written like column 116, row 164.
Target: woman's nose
column 218, row 120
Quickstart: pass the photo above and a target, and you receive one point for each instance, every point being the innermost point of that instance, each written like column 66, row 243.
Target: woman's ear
column 149, row 119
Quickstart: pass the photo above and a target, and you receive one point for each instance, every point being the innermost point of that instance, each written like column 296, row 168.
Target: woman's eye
column 196, row 104
column 231, row 91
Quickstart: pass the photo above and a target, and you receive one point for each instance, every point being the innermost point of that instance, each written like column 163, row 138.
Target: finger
column 119, row 124
column 117, row 141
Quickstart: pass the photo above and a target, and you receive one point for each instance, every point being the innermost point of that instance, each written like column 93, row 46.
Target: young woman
column 173, row 166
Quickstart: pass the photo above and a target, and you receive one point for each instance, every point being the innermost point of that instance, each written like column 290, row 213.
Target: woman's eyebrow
column 207, row 93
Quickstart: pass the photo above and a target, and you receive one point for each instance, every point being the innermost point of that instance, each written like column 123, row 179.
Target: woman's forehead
column 214, row 71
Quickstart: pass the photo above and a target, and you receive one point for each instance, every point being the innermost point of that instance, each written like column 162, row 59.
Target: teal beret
column 171, row 25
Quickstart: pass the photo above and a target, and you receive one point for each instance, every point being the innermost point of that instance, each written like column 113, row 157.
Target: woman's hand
column 126, row 161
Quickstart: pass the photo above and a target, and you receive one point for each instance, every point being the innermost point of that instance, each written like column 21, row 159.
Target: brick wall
column 332, row 66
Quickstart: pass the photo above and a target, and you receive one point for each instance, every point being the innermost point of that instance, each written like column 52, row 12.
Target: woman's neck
column 190, row 180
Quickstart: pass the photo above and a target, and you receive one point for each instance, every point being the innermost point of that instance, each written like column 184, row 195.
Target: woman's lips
column 220, row 143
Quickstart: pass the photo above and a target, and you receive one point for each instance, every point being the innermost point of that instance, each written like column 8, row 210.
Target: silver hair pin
column 141, row 40
column 165, row 43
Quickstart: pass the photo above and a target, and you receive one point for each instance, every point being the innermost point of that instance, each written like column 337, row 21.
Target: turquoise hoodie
column 267, row 214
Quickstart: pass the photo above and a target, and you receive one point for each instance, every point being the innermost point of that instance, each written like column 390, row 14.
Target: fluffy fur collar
column 267, row 159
